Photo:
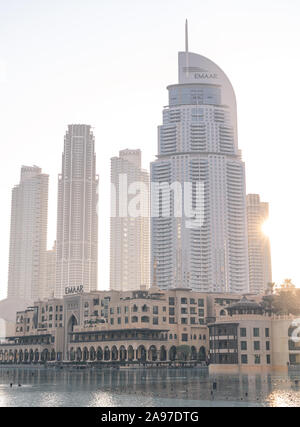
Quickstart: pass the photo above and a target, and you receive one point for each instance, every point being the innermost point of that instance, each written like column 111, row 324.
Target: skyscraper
column 28, row 235
column 260, row 269
column 129, row 234
column 51, row 271
column 77, row 218
column 204, row 248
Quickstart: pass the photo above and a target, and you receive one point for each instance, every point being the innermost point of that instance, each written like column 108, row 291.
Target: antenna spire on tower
column 186, row 36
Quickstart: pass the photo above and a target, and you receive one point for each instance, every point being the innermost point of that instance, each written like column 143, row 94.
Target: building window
column 155, row 320
column 172, row 311
column 184, row 301
column 184, row 321
column 171, row 337
column 201, row 312
column 267, row 345
column 244, row 359
column 134, row 319
column 193, row 310
column 243, row 332
column 200, row 302
column 267, row 332
column 192, row 301
column 184, row 310
column 193, row 320
column 257, row 359
column 145, row 308
column 184, row 337
column 268, row 359
column 111, row 321
column 119, row 320
column 171, row 301
column 256, row 332
column 126, row 319
column 155, row 309
column 145, row 319
column 171, row 320
column 244, row 345
column 256, row 345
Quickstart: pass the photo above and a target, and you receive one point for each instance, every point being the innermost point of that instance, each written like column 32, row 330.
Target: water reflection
column 141, row 387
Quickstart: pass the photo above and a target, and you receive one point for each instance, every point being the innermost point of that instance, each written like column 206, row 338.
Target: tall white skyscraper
column 51, row 271
column 28, row 235
column 129, row 234
column 198, row 142
column 260, row 268
column 77, row 218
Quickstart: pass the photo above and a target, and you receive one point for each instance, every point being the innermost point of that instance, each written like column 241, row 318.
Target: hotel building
column 204, row 246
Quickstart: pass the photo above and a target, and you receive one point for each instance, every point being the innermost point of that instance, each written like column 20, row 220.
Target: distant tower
column 129, row 236
column 260, row 268
column 77, row 218
column 51, row 272
column 198, row 144
column 28, row 236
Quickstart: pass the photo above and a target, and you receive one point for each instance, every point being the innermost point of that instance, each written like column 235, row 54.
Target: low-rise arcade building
column 226, row 331
column 138, row 326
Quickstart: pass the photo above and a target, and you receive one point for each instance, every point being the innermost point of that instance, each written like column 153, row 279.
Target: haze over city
column 108, row 64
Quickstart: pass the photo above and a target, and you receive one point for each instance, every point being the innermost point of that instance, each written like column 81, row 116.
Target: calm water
column 146, row 388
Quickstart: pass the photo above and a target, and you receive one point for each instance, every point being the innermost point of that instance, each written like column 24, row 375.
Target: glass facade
column 194, row 95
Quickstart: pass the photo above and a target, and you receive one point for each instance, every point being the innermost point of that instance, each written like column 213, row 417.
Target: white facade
column 77, row 219
column 260, row 270
column 198, row 142
column 129, row 235
column 51, row 271
column 28, row 235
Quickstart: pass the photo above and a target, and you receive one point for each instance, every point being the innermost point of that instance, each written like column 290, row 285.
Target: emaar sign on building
column 74, row 290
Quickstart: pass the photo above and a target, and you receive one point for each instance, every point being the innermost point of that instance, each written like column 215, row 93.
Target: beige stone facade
column 229, row 332
column 245, row 338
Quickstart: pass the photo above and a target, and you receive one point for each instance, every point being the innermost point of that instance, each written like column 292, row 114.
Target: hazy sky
column 107, row 63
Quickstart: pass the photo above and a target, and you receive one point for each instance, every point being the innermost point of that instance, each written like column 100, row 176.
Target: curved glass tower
column 198, row 142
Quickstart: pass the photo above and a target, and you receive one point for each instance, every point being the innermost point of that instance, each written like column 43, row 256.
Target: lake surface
column 164, row 387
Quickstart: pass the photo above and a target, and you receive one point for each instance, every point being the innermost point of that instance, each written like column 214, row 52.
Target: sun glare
column 266, row 228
